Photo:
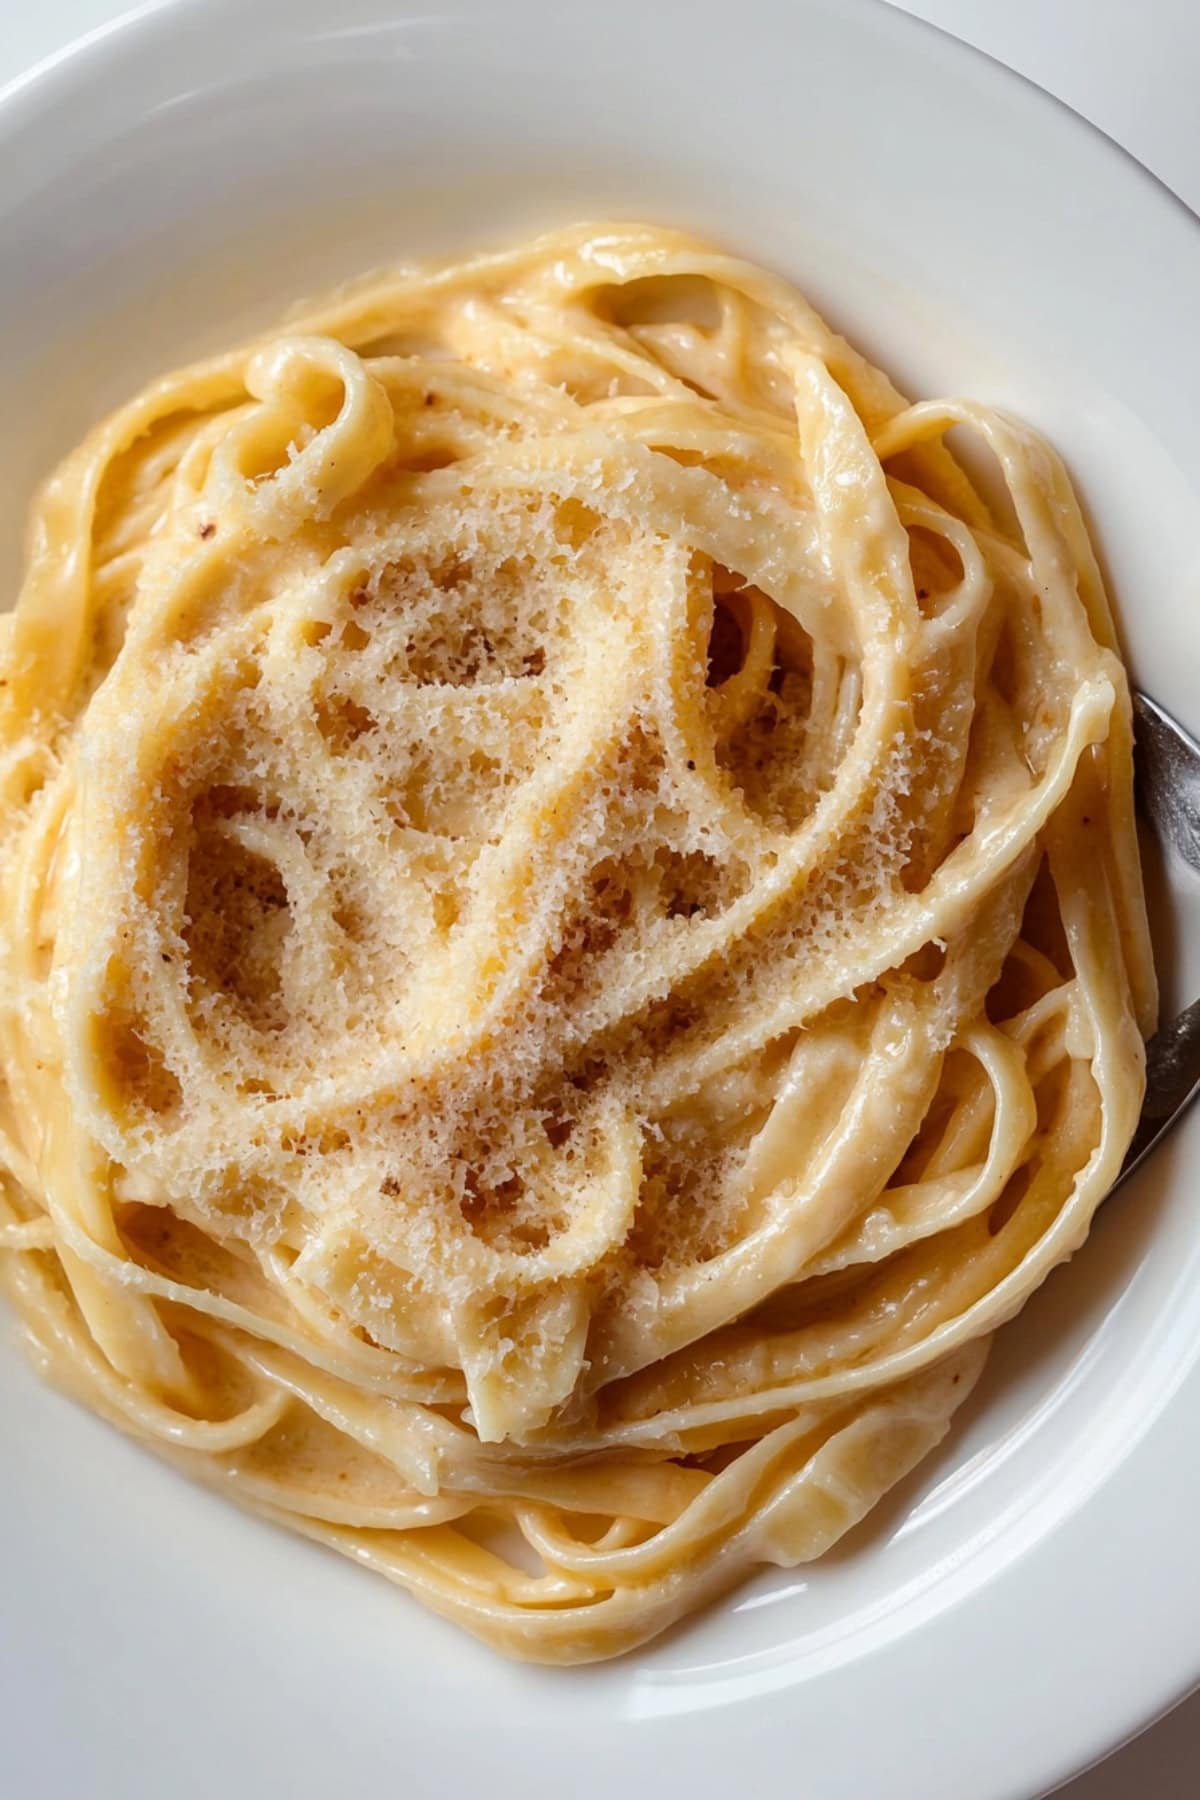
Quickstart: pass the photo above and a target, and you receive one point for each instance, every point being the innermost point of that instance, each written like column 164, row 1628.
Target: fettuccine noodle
column 570, row 926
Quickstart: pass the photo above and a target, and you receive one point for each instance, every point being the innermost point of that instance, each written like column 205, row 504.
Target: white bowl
column 1028, row 1598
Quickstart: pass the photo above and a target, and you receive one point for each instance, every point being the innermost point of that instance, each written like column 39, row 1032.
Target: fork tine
column 1167, row 771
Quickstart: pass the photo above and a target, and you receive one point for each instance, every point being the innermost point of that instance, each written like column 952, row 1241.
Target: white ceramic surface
column 1129, row 69
column 1028, row 1598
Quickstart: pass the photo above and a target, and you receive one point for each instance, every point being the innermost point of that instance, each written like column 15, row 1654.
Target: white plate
column 1028, row 1598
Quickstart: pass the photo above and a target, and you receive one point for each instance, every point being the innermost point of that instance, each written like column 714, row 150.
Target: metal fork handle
column 1167, row 761
column 1172, row 1082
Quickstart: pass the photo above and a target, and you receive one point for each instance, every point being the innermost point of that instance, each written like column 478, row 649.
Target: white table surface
column 1130, row 66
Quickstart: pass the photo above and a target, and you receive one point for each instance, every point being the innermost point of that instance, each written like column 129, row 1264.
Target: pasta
column 571, row 931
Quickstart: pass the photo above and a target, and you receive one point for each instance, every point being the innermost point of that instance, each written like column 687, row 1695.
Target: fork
column 1167, row 775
